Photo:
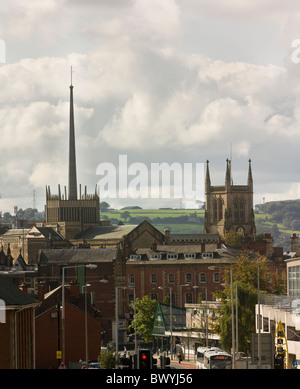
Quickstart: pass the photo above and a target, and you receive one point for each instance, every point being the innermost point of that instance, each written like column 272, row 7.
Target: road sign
column 84, row 366
column 58, row 354
column 62, row 365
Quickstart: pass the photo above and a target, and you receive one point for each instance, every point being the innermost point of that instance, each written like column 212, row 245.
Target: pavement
column 185, row 364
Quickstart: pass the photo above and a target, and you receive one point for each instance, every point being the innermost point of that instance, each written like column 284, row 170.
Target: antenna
column 230, row 151
column 72, row 71
column 33, row 198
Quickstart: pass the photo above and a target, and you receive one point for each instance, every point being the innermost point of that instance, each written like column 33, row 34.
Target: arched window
column 131, row 279
column 153, row 278
column 188, row 298
column 171, row 278
column 242, row 210
column 216, row 278
column 188, row 278
column 202, row 278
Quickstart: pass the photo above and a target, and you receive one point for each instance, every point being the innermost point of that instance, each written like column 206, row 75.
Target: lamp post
column 171, row 318
column 103, row 281
column 117, row 318
column 258, row 313
column 206, row 313
column 89, row 266
column 180, row 292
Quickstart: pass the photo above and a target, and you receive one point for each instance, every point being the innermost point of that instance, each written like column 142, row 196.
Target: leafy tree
column 145, row 316
column 104, row 206
column 107, row 359
column 125, row 215
column 245, row 278
column 233, row 239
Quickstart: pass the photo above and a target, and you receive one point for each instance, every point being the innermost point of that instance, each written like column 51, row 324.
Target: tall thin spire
column 207, row 178
column 250, row 179
column 72, row 152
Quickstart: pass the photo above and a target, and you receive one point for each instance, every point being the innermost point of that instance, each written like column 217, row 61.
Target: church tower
column 229, row 207
column 66, row 212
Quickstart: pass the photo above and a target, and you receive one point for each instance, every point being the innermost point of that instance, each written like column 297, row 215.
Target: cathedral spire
column 250, row 179
column 207, row 178
column 72, row 152
column 228, row 181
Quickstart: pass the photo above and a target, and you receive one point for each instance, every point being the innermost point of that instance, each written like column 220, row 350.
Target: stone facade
column 229, row 207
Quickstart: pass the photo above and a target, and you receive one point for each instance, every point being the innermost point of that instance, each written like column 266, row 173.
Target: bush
column 107, row 359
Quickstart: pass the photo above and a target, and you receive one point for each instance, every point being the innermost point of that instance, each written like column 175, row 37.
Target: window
column 202, row 278
column 171, row 278
column 188, row 298
column 155, row 256
column 207, row 255
column 153, row 296
column 188, row 256
column 188, row 278
column 130, row 298
column 172, row 256
column 131, row 279
column 135, row 257
column 153, row 279
column 216, row 278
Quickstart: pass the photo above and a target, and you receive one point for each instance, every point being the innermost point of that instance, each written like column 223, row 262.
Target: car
column 94, row 365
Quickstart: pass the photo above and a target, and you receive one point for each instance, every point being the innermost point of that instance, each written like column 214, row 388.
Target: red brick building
column 49, row 328
column 110, row 267
column 189, row 270
column 17, row 336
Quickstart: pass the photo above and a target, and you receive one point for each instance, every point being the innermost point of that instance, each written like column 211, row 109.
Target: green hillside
column 281, row 219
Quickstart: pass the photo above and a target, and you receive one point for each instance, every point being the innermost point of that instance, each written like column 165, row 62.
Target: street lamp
column 206, row 312
column 89, row 266
column 232, row 309
column 180, row 292
column 171, row 318
column 117, row 318
column 103, row 281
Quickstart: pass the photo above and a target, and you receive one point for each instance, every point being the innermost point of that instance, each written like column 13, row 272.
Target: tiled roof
column 12, row 295
column 106, row 232
column 78, row 255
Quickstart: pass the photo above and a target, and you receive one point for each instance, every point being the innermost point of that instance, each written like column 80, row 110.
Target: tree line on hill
column 284, row 212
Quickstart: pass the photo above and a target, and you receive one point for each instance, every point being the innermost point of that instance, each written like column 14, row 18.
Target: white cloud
column 139, row 90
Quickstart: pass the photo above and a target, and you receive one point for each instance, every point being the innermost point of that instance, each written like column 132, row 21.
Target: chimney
column 294, row 243
column 167, row 235
column 41, row 291
column 269, row 245
column 74, row 290
column 154, row 246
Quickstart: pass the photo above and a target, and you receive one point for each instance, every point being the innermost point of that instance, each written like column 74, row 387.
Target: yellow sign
column 58, row 354
column 281, row 343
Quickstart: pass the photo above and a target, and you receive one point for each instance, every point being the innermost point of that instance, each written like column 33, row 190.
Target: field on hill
column 189, row 221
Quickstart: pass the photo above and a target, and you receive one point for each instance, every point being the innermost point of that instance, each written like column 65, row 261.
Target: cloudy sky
column 176, row 81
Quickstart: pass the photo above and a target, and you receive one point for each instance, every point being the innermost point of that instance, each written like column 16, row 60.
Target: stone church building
column 229, row 207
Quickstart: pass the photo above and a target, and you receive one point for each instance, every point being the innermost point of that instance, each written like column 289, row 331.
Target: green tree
column 144, row 318
column 104, row 206
column 125, row 215
column 245, row 277
column 233, row 239
column 107, row 359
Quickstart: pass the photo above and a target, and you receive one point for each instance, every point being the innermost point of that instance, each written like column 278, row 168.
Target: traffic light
column 145, row 359
column 126, row 362
column 279, row 361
